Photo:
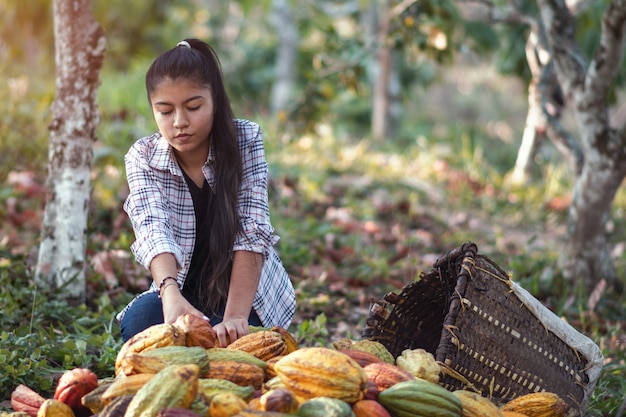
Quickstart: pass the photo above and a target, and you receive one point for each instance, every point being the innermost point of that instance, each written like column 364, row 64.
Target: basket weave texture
column 488, row 333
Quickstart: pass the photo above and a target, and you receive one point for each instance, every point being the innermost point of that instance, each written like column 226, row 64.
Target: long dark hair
column 195, row 60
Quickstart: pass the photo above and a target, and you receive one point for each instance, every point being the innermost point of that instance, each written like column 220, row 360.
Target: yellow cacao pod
column 153, row 337
column 264, row 344
column 291, row 343
column 128, row 385
column 226, row 404
column 176, row 386
column 512, row 414
column 475, row 405
column 538, row 404
column 54, row 408
column 322, row 372
column 420, row 363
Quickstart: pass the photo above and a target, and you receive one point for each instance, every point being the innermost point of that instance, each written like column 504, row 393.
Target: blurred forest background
column 392, row 130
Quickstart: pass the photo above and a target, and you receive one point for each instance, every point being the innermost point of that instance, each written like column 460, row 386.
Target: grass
column 356, row 218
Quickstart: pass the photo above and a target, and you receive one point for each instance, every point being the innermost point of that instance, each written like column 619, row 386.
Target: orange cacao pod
column 369, row 408
column 538, row 404
column 197, row 331
column 264, row 344
column 241, row 373
column 73, row 385
column 385, row 375
column 291, row 343
column 361, row 357
column 25, row 399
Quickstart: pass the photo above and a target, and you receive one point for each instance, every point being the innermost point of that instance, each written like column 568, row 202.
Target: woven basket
column 488, row 333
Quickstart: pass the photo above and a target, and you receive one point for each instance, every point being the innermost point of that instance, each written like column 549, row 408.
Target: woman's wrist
column 166, row 283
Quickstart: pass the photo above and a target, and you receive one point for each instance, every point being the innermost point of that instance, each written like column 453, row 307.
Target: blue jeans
column 147, row 311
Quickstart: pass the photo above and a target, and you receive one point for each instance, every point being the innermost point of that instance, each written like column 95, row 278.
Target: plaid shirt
column 162, row 214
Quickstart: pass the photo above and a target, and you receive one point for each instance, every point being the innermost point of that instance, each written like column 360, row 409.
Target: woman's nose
column 180, row 120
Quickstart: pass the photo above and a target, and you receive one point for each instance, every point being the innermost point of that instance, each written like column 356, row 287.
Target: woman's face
column 183, row 111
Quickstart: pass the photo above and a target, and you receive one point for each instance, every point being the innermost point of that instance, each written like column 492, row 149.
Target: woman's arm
column 174, row 304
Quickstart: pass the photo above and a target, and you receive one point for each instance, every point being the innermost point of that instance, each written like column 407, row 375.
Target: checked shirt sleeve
column 257, row 234
column 148, row 209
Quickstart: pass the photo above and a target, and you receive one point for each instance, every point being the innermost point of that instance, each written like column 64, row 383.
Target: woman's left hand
column 231, row 329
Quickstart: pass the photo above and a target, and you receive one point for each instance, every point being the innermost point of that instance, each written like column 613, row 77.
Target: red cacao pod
column 73, row 385
column 25, row 399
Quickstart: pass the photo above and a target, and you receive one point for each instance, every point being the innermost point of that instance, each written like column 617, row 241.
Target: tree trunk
column 283, row 21
column 79, row 51
column 380, row 90
column 586, row 259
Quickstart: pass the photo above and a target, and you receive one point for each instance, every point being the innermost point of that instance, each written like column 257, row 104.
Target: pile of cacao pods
column 176, row 370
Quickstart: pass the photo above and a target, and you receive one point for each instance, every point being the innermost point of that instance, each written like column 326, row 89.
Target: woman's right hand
column 175, row 305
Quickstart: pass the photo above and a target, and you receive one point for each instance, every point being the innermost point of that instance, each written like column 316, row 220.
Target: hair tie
column 184, row 43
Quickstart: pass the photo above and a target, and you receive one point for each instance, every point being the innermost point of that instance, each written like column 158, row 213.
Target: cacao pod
column 291, row 344
column 420, row 363
column 176, row 355
column 217, row 354
column 226, row 404
column 538, row 404
column 280, row 399
column 325, row 407
column 419, row 397
column 264, row 344
column 177, row 412
column 153, row 337
column 385, row 375
column 475, row 405
column 259, row 413
column 369, row 408
column 174, row 386
column 117, row 407
column 374, row 347
column 93, row 400
column 270, row 372
column 73, row 385
column 241, row 373
column 322, row 372
column 25, row 399
column 209, row 387
column 55, row 408
column 361, row 357
column 197, row 331
column 128, row 385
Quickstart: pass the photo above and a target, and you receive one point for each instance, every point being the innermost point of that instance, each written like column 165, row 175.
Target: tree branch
column 487, row 11
column 606, row 63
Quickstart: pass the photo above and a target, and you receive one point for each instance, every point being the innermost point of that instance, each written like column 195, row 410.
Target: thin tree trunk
column 380, row 89
column 283, row 21
column 587, row 259
column 79, row 51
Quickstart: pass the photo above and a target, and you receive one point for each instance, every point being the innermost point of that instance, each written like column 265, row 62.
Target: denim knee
column 145, row 311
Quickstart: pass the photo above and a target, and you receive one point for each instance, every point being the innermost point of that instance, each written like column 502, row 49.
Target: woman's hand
column 175, row 305
column 231, row 329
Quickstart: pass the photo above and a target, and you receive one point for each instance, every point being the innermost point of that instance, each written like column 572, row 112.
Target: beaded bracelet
column 162, row 285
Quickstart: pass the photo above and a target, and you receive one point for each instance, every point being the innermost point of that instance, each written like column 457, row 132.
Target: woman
column 199, row 208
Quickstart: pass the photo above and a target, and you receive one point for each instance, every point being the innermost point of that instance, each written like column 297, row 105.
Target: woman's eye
column 165, row 113
column 194, row 108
